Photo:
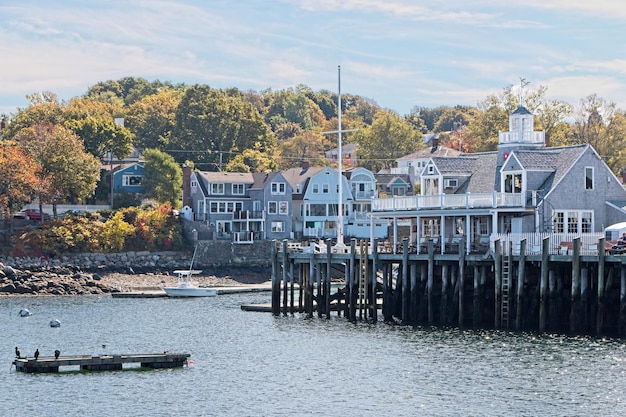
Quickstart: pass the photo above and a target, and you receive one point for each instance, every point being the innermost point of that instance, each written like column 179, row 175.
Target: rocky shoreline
column 58, row 280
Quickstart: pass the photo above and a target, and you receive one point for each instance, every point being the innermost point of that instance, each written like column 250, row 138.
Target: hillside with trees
column 257, row 131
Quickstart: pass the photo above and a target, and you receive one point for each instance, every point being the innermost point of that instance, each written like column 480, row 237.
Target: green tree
column 163, row 177
column 153, row 118
column 252, row 160
column 388, row 138
column 43, row 107
column 212, row 126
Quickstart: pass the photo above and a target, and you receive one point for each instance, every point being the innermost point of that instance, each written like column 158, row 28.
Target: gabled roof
column 430, row 152
column 478, row 167
column 227, row 177
column 389, row 179
column 261, row 179
column 298, row 175
column 521, row 110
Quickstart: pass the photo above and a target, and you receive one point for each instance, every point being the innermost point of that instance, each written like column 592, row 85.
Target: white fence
column 560, row 243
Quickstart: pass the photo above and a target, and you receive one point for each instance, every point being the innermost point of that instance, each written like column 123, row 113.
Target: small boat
column 186, row 288
column 25, row 313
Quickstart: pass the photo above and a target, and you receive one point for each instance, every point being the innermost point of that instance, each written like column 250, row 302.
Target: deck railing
column 454, row 201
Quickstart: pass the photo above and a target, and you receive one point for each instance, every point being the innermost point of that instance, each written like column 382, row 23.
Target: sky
column 398, row 53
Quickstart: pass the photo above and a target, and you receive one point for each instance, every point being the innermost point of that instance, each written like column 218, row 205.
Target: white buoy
column 55, row 323
column 25, row 313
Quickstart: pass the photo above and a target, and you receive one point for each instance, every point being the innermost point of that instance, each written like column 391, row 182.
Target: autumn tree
column 43, row 107
column 18, row 181
column 252, row 160
column 162, row 178
column 71, row 171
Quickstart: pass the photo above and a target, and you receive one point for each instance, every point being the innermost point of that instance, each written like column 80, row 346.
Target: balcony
column 455, row 201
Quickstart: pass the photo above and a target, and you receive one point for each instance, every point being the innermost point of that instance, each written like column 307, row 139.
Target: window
column 256, row 206
column 194, row 183
column 225, row 206
column 316, row 188
column 131, row 180
column 283, row 207
column 573, row 221
column 277, row 227
column 588, row 178
column 316, row 209
column 278, row 188
column 272, row 207
column 325, row 188
column 430, row 227
column 451, row 183
column 239, row 189
column 513, row 183
column 217, row 188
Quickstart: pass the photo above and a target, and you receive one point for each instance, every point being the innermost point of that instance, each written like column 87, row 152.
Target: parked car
column 31, row 214
column 74, row 212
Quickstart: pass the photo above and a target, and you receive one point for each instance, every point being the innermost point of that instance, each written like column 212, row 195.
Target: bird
column 56, row 354
column 17, row 352
column 37, row 354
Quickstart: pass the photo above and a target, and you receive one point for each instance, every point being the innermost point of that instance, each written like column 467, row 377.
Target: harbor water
column 255, row 364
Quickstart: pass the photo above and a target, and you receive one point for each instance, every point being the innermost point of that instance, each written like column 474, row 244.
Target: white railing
column 452, row 201
column 560, row 243
column 522, row 137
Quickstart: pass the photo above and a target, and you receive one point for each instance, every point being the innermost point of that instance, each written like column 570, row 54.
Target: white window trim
column 593, row 178
column 235, row 189
column 278, row 188
column 215, row 185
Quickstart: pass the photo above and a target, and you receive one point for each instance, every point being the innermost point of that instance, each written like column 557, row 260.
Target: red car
column 31, row 214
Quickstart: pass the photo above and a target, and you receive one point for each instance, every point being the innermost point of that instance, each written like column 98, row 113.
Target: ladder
column 506, row 282
column 363, row 274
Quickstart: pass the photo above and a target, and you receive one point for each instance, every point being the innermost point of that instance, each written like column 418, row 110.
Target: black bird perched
column 37, row 354
column 56, row 354
column 17, row 352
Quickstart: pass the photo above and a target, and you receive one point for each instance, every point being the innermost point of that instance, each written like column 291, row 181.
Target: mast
column 339, row 160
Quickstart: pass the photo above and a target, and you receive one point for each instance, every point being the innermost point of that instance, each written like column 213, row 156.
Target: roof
column 559, row 160
column 298, row 175
column 521, row 110
column 430, row 152
column 261, row 179
column 227, row 177
column 480, row 168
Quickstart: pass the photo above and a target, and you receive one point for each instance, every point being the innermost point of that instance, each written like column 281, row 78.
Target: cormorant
column 37, row 354
column 56, row 354
column 17, row 352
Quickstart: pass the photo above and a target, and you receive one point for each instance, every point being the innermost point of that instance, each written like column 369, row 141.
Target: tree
column 252, row 160
column 43, row 107
column 388, row 138
column 95, row 123
column 71, row 171
column 153, row 118
column 163, row 178
column 307, row 146
column 18, row 180
column 212, row 126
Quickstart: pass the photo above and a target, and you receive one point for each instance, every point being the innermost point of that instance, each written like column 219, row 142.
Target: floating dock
column 50, row 364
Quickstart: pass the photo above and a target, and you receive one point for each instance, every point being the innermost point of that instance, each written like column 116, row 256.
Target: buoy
column 25, row 313
column 55, row 323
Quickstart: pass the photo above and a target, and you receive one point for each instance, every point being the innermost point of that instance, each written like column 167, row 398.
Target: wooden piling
column 543, row 284
column 275, row 279
column 575, row 305
column 405, row 281
column 498, row 283
column 519, row 292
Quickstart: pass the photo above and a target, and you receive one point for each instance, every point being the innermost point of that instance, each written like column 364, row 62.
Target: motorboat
column 186, row 288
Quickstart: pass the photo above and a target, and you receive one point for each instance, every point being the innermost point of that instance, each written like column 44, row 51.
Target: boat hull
column 189, row 292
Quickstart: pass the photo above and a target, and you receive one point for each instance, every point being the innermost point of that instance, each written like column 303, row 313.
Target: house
column 128, row 177
column 315, row 202
column 523, row 187
column 414, row 163
column 348, row 151
column 362, row 183
column 393, row 184
column 242, row 207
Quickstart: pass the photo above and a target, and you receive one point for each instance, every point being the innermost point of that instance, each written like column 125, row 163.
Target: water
column 254, row 364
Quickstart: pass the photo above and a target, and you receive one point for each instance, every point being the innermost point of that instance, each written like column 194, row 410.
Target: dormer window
column 451, row 183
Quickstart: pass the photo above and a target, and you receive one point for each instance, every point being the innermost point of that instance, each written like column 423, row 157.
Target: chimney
column 305, row 166
column 187, row 201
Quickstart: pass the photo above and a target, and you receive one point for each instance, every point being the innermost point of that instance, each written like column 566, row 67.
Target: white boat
column 186, row 288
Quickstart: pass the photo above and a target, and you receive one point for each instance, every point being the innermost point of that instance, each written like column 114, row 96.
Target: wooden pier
column 552, row 288
column 50, row 364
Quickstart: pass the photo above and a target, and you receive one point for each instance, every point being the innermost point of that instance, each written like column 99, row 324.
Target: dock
column 50, row 364
column 159, row 293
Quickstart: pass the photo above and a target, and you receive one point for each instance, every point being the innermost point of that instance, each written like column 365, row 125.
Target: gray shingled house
column 524, row 187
